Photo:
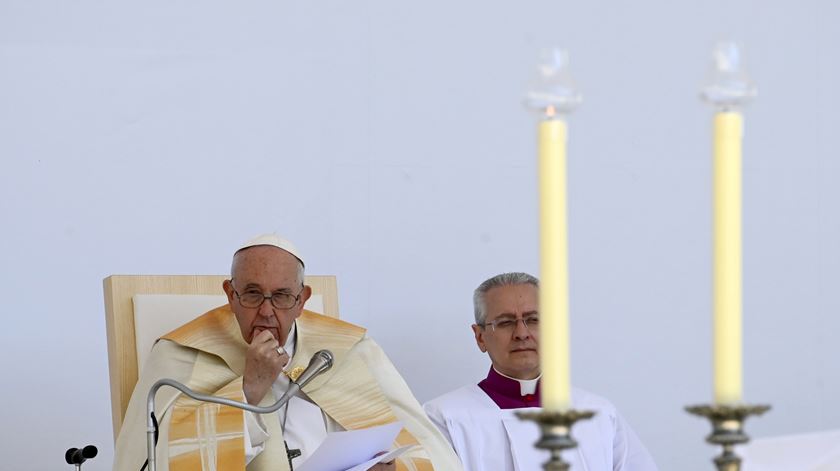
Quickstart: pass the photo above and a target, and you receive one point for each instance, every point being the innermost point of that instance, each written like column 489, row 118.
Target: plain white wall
column 388, row 140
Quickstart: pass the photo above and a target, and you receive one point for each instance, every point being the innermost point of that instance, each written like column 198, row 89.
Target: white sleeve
column 255, row 436
column 436, row 417
column 629, row 454
column 406, row 408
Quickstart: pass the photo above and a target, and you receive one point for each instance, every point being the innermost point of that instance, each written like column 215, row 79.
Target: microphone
column 78, row 456
column 321, row 361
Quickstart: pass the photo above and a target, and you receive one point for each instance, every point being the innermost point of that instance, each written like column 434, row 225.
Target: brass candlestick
column 727, row 429
column 556, row 430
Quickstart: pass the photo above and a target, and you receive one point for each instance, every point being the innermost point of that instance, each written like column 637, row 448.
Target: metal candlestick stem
column 727, row 429
column 556, row 429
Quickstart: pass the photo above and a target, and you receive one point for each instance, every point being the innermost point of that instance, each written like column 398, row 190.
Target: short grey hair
column 505, row 279
column 300, row 273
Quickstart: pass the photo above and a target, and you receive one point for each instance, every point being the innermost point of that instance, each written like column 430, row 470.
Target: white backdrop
column 388, row 140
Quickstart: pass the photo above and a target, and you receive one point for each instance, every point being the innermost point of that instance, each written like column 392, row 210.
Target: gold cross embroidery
column 295, row 373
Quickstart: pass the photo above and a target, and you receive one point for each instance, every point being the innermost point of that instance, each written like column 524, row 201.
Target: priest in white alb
column 479, row 419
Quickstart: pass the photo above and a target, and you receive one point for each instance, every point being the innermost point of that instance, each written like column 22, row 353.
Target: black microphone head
column 78, row 456
column 68, row 455
column 89, row 452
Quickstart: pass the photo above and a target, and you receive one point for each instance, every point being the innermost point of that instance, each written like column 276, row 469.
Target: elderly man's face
column 267, row 270
column 513, row 351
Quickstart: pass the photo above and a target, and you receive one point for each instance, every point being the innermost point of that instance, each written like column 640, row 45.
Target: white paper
column 342, row 451
column 391, row 455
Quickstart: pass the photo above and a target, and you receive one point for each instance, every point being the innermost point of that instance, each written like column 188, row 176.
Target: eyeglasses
column 508, row 325
column 254, row 299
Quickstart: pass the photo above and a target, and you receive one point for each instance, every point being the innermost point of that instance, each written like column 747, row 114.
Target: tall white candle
column 727, row 258
column 554, row 281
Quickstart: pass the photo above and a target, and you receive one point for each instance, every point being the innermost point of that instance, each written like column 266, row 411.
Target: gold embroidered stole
column 204, row 436
column 210, row 437
column 348, row 392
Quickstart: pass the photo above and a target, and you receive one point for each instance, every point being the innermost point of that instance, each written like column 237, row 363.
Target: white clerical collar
column 526, row 386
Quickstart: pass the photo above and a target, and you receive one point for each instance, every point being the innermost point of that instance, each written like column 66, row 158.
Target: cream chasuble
column 361, row 390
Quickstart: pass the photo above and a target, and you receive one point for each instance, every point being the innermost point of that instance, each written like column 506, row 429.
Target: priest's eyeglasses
column 507, row 325
column 253, row 298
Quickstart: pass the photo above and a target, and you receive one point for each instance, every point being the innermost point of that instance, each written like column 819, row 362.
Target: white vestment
column 362, row 389
column 304, row 424
column 488, row 438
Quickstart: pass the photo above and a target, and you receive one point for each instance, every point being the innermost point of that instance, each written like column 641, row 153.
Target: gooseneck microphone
column 77, row 456
column 321, row 361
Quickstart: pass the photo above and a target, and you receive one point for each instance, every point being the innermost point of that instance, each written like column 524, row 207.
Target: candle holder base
column 727, row 429
column 556, row 436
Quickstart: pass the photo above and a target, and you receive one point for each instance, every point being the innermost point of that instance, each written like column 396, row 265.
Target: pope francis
column 247, row 351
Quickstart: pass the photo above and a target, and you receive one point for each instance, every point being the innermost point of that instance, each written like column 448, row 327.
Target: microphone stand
column 321, row 361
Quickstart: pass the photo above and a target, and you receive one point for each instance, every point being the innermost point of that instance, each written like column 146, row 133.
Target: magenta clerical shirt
column 506, row 392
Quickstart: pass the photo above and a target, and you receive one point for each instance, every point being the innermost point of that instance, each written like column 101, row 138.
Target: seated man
column 479, row 419
column 247, row 351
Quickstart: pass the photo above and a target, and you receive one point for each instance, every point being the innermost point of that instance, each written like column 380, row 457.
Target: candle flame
column 549, row 111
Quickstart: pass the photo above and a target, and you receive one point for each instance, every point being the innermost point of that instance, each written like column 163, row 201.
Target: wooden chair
column 187, row 297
